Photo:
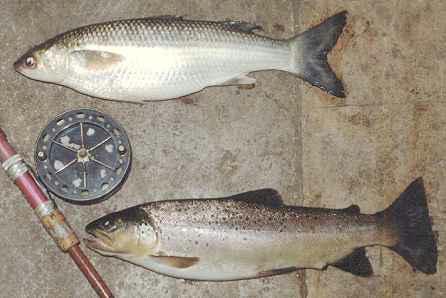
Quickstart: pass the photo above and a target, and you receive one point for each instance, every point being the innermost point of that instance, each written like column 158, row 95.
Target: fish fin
column 267, row 196
column 240, row 26
column 410, row 215
column 96, row 60
column 311, row 49
column 276, row 271
column 356, row 263
column 177, row 262
column 169, row 17
column 352, row 209
column 240, row 80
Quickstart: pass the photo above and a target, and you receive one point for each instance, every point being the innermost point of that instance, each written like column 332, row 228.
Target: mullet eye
column 30, row 62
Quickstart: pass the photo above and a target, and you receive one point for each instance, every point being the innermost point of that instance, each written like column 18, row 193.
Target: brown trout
column 168, row 57
column 255, row 235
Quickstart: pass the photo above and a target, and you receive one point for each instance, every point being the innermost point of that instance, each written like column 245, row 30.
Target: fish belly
column 164, row 72
column 253, row 254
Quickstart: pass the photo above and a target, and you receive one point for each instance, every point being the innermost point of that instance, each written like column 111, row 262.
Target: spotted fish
column 255, row 234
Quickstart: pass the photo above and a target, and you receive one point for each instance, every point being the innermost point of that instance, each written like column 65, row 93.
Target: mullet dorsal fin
column 267, row 196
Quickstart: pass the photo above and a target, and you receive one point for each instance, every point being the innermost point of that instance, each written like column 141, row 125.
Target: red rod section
column 89, row 271
column 52, row 219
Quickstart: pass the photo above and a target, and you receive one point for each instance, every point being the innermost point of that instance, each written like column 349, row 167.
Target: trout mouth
column 99, row 241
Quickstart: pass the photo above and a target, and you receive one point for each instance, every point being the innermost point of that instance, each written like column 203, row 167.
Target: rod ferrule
column 15, row 167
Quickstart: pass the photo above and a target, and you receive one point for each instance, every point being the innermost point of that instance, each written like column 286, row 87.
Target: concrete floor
column 315, row 149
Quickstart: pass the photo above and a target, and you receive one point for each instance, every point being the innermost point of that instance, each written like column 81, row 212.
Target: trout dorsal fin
column 356, row 263
column 267, row 196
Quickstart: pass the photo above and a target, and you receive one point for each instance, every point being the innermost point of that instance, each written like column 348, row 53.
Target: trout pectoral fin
column 95, row 60
column 177, row 262
column 356, row 263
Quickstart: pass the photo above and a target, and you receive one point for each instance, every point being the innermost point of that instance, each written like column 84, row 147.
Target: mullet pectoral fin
column 176, row 262
column 96, row 60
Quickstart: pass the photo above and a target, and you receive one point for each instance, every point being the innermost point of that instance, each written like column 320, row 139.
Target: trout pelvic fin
column 356, row 263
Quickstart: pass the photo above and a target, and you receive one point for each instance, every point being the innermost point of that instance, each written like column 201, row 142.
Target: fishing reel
column 83, row 156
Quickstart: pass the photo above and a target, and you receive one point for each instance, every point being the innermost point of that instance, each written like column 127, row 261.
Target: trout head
column 47, row 62
column 123, row 233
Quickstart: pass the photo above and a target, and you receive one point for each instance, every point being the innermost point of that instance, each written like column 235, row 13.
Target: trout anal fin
column 356, row 263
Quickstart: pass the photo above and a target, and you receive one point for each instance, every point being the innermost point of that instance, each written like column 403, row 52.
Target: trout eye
column 30, row 62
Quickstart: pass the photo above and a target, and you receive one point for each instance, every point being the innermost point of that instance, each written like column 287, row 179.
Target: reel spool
column 83, row 156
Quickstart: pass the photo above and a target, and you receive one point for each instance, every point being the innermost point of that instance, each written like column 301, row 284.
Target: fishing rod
column 50, row 216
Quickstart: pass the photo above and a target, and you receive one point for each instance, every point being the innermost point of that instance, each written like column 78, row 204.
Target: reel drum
column 83, row 156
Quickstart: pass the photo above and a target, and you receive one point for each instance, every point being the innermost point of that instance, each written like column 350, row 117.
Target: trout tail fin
column 410, row 215
column 310, row 51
